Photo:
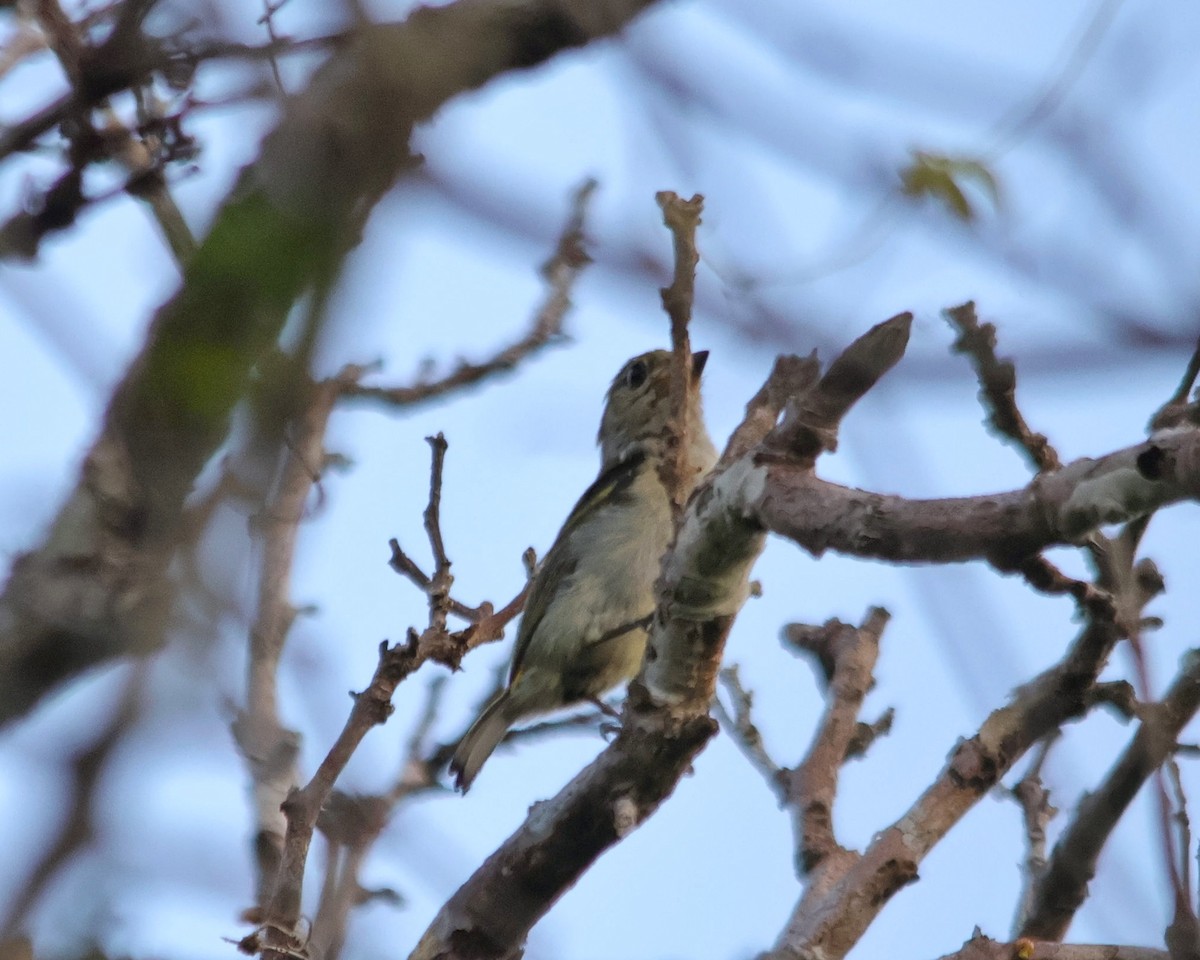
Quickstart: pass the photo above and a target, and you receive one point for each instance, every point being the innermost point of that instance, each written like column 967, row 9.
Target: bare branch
column 1183, row 933
column 371, row 707
column 810, row 789
column 846, row 891
column 1073, row 862
column 121, row 61
column 790, row 377
column 744, row 733
column 1036, row 812
column 980, row 947
column 560, row 272
column 1005, row 528
column 1182, row 822
column 1117, row 694
column 147, row 183
column 1133, row 583
column 682, row 218
column 363, row 818
column 78, row 827
column 810, row 423
column 268, row 20
column 1045, row 577
column 268, row 748
column 352, row 824
column 997, row 387
column 21, row 136
column 442, row 580
column 865, row 734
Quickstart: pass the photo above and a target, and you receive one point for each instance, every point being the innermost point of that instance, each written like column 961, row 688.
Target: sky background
column 794, row 121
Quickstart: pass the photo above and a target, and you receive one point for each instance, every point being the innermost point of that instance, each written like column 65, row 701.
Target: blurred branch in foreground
column 99, row 586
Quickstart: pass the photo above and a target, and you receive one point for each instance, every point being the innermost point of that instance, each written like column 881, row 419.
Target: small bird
column 585, row 624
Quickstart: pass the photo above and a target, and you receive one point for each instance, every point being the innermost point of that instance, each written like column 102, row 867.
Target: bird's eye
column 635, row 376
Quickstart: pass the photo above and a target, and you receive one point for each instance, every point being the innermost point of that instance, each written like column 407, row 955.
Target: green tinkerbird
column 584, row 627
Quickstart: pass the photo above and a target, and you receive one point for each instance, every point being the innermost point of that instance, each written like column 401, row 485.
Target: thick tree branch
column 1004, row 528
column 980, row 947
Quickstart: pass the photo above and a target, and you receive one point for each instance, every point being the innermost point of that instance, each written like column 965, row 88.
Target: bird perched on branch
column 584, row 629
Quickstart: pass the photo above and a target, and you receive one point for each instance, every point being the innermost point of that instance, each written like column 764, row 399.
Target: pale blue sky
column 829, row 102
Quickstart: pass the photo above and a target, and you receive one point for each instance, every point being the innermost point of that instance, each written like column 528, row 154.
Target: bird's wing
column 558, row 564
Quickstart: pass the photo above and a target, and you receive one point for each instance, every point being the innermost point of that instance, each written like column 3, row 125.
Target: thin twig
column 485, row 624
column 560, row 272
column 1046, row 578
column 997, row 387
column 351, row 825
column 146, row 183
column 1133, row 583
column 1177, row 409
column 267, row 20
column 442, row 580
column 1036, row 812
column 1183, row 822
column 791, row 376
column 78, row 826
column 865, row 734
column 1073, row 862
column 371, row 707
column 682, row 218
column 21, row 136
column 741, row 729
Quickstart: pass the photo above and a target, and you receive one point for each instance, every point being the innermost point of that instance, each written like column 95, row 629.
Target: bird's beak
column 699, row 359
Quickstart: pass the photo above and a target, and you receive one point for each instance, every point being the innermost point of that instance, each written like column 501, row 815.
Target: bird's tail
column 483, row 737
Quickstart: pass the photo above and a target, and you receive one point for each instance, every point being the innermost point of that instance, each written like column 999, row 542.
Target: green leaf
column 943, row 179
